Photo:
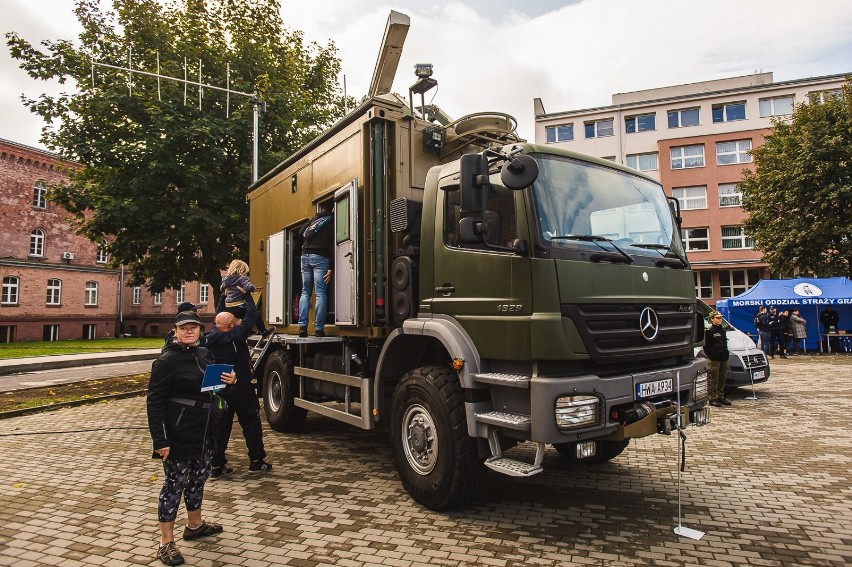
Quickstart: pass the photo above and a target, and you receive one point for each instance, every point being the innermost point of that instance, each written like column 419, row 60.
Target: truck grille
column 611, row 332
column 754, row 360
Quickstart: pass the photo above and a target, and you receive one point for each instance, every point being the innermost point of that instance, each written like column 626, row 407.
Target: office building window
column 735, row 282
column 40, row 195
column 7, row 333
column 728, row 153
column 687, row 156
column 90, row 331
column 10, row 290
column 729, row 111
column 703, row 284
column 734, row 238
column 776, row 106
column 640, row 123
column 180, row 293
column 561, row 133
column 599, row 128
column 695, row 239
column 102, row 257
column 644, row 162
column 730, row 195
column 91, row 294
column 158, row 298
column 203, row 293
column 54, row 292
column 691, row 198
column 684, row 117
column 136, row 296
column 823, row 96
column 50, row 333
column 37, row 242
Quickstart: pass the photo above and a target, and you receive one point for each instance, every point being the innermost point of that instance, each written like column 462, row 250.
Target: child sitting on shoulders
column 235, row 286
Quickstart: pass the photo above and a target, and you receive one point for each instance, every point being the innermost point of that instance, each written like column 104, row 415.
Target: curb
column 17, row 365
column 71, row 404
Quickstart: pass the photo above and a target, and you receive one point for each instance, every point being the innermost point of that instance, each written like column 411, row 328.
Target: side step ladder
column 498, row 462
column 259, row 349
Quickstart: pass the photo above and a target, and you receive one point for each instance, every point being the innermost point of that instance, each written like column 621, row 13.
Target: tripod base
column 688, row 532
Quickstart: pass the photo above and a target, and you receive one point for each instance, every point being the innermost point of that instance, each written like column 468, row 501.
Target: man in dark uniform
column 227, row 345
column 716, row 349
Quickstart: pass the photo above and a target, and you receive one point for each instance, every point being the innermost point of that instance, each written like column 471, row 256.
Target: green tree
column 798, row 195
column 166, row 169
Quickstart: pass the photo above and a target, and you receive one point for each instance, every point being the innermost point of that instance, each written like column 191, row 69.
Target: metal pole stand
column 753, row 395
column 680, row 529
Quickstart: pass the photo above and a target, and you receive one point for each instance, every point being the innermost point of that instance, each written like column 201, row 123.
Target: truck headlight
column 701, row 385
column 575, row 411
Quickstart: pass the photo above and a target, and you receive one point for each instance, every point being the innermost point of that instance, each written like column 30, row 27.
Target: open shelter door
column 274, row 292
column 346, row 254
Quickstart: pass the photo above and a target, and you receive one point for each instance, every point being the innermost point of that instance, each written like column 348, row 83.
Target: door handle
column 446, row 288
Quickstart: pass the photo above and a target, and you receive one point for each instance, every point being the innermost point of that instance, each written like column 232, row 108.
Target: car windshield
column 582, row 205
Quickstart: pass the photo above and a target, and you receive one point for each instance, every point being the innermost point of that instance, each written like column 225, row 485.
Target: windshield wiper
column 595, row 239
column 660, row 247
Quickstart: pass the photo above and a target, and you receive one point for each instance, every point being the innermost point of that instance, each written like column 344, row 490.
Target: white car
column 746, row 362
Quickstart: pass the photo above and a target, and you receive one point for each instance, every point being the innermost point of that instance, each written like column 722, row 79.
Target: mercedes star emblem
column 649, row 324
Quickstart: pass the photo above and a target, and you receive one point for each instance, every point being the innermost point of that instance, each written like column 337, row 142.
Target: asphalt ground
column 768, row 481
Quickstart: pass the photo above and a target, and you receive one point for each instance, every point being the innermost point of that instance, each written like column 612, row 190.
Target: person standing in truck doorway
column 317, row 247
column 716, row 349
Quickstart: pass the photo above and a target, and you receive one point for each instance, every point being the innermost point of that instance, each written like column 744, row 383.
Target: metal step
column 506, row 420
column 501, row 379
column 512, row 467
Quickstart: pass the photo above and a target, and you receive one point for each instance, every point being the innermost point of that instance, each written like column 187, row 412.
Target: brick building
column 56, row 285
column 695, row 139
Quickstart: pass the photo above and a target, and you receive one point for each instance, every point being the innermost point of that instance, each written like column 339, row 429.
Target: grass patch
column 41, row 348
column 60, row 393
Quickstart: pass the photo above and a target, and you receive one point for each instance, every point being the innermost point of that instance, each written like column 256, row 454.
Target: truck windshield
column 579, row 205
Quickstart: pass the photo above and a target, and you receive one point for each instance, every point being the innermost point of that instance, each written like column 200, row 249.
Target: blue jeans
column 314, row 268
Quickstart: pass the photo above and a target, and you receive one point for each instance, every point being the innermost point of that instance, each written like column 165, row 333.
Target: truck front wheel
column 436, row 459
column 279, row 390
column 607, row 450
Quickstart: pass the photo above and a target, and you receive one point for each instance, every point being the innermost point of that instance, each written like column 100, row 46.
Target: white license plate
column 758, row 374
column 656, row 388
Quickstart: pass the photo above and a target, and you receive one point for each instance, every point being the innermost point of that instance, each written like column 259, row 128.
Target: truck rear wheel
column 279, row 390
column 607, row 450
column 436, row 459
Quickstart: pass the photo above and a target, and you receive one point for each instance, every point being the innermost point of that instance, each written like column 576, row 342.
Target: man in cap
column 716, row 349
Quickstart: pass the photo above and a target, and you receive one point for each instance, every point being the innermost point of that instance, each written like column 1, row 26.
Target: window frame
column 741, row 155
column 136, row 295
column 685, row 200
column 90, row 298
column 679, row 114
column 737, row 193
column 54, row 292
column 726, row 108
column 157, row 298
column 770, row 103
column 180, row 293
column 742, row 239
column 101, row 256
column 203, row 293
column 638, row 159
column 40, row 195
column 556, row 130
column 37, row 243
column 702, row 287
column 689, row 240
column 682, row 159
column 636, row 121
column 11, row 291
column 596, row 129
column 733, row 289
column 53, row 331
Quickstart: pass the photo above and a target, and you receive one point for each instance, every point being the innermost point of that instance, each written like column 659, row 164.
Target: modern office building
column 695, row 139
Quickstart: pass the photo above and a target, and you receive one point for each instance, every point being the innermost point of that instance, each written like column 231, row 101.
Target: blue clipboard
column 213, row 377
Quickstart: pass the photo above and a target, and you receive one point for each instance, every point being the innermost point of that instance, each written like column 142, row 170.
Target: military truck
column 487, row 292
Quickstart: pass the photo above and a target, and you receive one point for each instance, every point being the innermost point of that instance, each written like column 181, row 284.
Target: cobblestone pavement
column 768, row 482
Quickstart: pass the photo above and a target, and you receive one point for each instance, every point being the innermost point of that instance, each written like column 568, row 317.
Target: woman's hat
column 187, row 317
column 714, row 314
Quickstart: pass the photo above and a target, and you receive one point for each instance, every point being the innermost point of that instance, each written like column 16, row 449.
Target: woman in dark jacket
column 180, row 421
column 716, row 349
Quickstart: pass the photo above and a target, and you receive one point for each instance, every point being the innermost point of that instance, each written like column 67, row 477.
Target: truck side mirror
column 520, row 172
column 473, row 180
column 472, row 231
column 674, row 205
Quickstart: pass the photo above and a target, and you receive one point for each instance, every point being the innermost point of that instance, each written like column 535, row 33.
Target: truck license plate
column 649, row 389
column 758, row 374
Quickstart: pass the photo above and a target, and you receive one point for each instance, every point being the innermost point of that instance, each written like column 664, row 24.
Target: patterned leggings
column 186, row 478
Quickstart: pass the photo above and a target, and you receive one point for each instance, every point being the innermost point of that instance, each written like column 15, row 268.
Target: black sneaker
column 169, row 554
column 303, row 332
column 259, row 466
column 319, row 333
column 725, row 401
column 716, row 403
column 219, row 472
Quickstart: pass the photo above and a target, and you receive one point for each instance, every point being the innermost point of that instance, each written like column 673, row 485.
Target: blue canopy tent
column 810, row 295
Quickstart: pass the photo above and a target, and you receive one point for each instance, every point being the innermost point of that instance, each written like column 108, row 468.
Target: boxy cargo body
column 469, row 316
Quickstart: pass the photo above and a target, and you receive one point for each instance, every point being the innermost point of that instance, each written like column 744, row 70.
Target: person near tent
column 776, row 333
column 799, row 330
column 830, row 320
column 716, row 349
column 762, row 331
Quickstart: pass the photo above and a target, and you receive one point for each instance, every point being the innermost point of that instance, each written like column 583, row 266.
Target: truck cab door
column 346, row 255
column 486, row 289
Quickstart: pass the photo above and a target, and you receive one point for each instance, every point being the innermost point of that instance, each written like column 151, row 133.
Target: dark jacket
column 230, row 285
column 320, row 243
column 183, row 428
column 774, row 323
column 716, row 343
column 829, row 319
column 230, row 348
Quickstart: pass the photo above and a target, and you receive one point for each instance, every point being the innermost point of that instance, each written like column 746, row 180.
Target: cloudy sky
column 497, row 55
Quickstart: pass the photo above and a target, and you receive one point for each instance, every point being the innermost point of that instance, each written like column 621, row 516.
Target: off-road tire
column 279, row 389
column 607, row 450
column 437, row 461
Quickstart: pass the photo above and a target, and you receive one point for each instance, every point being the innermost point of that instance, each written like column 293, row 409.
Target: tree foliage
column 166, row 169
column 799, row 194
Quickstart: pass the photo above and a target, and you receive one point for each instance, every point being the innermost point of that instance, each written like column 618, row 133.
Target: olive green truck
column 486, row 292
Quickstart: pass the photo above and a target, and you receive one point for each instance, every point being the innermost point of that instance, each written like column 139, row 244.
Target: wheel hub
column 419, row 439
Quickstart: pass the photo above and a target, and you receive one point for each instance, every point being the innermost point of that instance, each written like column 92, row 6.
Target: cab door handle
column 446, row 289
